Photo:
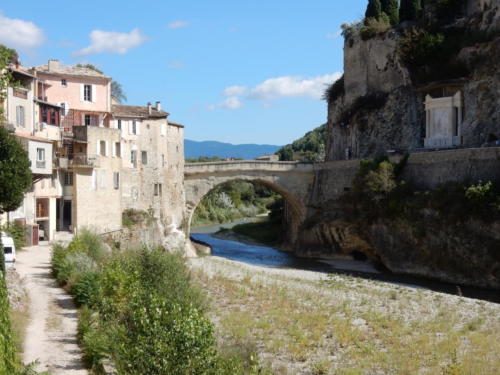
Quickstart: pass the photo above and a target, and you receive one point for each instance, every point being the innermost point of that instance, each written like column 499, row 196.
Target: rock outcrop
column 381, row 108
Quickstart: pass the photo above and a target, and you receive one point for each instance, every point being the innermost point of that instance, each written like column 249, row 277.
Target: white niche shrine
column 443, row 121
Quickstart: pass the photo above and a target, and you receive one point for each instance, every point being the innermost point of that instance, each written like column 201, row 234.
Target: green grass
column 265, row 231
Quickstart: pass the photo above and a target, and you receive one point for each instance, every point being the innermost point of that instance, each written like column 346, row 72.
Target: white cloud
column 334, row 35
column 233, row 102
column 178, row 24
column 235, row 90
column 112, row 42
column 293, row 86
column 16, row 33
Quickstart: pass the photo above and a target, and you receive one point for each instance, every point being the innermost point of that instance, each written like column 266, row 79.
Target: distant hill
column 311, row 147
column 194, row 149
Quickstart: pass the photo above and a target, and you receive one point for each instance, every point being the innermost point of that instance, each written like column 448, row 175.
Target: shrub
column 17, row 232
column 8, row 363
column 375, row 26
column 86, row 288
column 334, row 91
column 351, row 30
column 132, row 217
column 419, row 47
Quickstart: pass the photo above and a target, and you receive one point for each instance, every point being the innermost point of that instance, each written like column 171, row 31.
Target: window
column 40, row 154
column 87, row 93
column 53, row 117
column 103, row 179
column 162, row 160
column 63, row 107
column 119, row 125
column 20, row 115
column 68, row 179
column 90, row 120
column 44, row 114
column 116, row 180
column 118, row 150
column 102, row 148
column 134, row 127
column 157, row 190
column 64, row 83
column 94, row 179
column 177, row 148
column 144, row 157
column 133, row 158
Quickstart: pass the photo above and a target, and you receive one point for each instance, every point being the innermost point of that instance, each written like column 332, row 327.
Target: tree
column 117, row 92
column 15, row 173
column 391, row 8
column 7, row 56
column 374, row 9
column 409, row 10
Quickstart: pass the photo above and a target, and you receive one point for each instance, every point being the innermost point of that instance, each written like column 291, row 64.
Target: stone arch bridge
column 291, row 180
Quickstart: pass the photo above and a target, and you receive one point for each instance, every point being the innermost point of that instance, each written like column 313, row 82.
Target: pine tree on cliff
column 391, row 8
column 409, row 10
column 374, row 9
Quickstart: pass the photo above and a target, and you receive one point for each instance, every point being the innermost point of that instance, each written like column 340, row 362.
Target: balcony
column 84, row 161
column 40, row 164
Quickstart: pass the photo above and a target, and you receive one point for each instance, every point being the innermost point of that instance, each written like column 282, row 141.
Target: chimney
column 53, row 65
column 158, row 106
column 149, row 107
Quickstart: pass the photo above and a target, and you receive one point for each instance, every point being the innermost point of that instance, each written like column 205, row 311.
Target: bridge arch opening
column 292, row 211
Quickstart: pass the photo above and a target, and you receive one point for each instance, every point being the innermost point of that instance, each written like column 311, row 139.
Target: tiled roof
column 71, row 71
column 136, row 111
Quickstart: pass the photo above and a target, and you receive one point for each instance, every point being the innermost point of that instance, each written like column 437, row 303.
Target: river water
column 269, row 257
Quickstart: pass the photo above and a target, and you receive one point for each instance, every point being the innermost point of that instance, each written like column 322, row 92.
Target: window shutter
column 101, row 120
column 107, row 148
column 83, row 119
column 98, row 144
column 18, row 115
column 138, row 128
column 113, row 150
column 21, row 108
column 94, row 94
column 130, row 128
column 82, row 86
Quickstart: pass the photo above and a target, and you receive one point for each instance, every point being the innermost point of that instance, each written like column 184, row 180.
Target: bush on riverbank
column 139, row 312
column 232, row 201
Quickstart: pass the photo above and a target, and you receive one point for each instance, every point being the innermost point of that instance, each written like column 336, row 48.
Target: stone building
column 36, row 123
column 91, row 159
column 152, row 161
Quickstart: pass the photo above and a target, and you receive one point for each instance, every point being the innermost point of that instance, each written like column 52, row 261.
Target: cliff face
column 382, row 109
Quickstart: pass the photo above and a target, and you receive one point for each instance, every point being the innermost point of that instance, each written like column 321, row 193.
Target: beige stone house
column 152, row 157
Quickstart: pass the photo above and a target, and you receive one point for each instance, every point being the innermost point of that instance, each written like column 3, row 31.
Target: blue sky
column 231, row 71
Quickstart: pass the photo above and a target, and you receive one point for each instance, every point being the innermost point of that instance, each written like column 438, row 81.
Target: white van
column 9, row 250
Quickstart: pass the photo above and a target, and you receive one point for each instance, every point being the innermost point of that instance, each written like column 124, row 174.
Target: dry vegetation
column 299, row 322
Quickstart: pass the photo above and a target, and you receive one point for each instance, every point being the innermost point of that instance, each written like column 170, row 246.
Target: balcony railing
column 40, row 164
column 83, row 161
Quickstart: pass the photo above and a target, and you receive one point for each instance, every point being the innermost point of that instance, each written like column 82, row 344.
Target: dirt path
column 51, row 332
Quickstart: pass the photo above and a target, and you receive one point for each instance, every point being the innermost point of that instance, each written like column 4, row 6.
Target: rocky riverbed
column 291, row 321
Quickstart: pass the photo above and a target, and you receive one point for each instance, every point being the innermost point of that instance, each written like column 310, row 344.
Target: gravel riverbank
column 304, row 322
